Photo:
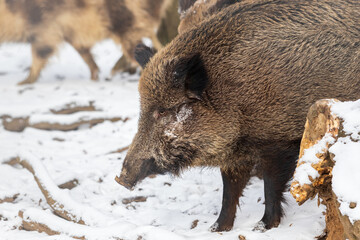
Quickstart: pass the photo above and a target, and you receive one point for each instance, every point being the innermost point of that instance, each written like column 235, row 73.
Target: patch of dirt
column 15, row 124
column 12, row 162
column 194, row 224
column 9, row 199
column 58, row 139
column 134, row 199
column 19, row 124
column 72, row 108
column 39, row 227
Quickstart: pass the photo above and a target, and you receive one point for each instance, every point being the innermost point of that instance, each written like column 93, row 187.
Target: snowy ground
column 346, row 176
column 172, row 205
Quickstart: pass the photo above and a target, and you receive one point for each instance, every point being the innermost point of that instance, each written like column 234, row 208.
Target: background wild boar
column 82, row 23
column 235, row 90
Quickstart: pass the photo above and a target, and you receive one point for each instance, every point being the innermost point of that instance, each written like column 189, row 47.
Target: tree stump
column 314, row 173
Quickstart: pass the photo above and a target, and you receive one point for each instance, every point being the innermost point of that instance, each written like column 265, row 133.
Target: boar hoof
column 129, row 69
column 123, row 66
column 95, row 75
column 27, row 81
column 216, row 227
column 260, row 227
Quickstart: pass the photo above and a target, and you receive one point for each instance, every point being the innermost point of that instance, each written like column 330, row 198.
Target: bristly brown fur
column 82, row 23
column 201, row 10
column 264, row 65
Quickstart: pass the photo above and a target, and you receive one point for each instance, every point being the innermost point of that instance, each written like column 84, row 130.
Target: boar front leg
column 40, row 56
column 123, row 65
column 127, row 62
column 89, row 60
column 234, row 182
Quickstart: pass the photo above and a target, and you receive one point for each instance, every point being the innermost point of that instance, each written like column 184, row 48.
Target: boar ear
column 143, row 54
column 190, row 74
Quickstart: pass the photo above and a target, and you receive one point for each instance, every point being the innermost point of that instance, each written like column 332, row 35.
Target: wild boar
column 82, row 23
column 235, row 91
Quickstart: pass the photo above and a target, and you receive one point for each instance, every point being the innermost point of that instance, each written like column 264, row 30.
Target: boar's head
column 178, row 126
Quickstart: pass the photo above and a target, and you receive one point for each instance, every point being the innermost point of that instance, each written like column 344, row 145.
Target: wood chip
column 134, row 199
column 353, row 205
column 194, row 224
column 70, row 184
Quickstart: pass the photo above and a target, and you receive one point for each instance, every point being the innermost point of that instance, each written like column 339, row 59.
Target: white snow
column 183, row 114
column 346, row 177
column 87, row 155
column 77, row 211
column 350, row 113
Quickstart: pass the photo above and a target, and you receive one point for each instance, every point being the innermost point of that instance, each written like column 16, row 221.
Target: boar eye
column 159, row 113
column 162, row 112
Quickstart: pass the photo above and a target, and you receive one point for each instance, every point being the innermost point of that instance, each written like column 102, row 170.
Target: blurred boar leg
column 40, row 56
column 123, row 64
column 168, row 27
column 234, row 183
column 127, row 62
column 89, row 60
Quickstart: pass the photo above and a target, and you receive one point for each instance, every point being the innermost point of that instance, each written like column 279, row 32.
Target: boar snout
column 125, row 181
column 132, row 174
